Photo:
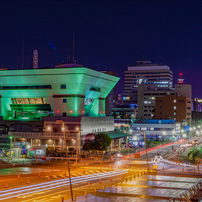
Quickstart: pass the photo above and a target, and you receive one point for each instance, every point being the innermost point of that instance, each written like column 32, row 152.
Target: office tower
column 159, row 76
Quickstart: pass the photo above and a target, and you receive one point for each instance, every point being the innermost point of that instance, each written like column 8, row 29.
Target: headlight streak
column 65, row 182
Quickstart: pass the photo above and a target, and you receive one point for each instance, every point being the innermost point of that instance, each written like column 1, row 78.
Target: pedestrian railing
column 188, row 193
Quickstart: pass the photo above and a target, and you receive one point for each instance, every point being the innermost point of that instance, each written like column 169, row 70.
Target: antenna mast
column 23, row 52
column 73, row 45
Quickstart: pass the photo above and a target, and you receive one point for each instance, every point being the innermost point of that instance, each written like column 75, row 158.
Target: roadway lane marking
column 63, row 176
column 55, row 176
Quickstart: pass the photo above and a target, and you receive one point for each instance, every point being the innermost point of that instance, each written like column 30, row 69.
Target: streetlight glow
column 164, row 133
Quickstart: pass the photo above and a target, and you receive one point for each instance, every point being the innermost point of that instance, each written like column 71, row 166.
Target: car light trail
column 55, row 184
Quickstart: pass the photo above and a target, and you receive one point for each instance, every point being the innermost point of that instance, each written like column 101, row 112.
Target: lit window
column 175, row 107
column 92, row 88
column 62, row 86
column 174, row 101
column 174, row 113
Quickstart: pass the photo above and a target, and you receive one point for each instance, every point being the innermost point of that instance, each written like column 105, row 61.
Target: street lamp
column 11, row 141
column 70, row 183
column 146, row 150
column 78, row 145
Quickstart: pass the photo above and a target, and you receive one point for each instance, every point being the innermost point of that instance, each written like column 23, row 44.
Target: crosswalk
column 91, row 172
column 136, row 170
column 74, row 174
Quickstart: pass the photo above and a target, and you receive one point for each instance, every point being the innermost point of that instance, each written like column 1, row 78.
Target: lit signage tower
column 35, row 59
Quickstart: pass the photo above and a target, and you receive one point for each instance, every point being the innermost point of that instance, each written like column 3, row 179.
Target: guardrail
column 60, row 158
column 40, row 134
column 188, row 193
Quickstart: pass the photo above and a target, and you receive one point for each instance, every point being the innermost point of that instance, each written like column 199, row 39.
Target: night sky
column 109, row 35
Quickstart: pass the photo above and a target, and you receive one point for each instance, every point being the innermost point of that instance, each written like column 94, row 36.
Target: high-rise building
column 159, row 76
column 182, row 89
column 173, row 107
column 35, row 59
column 146, row 99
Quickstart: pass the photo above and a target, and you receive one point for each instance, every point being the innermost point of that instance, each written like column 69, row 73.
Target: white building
column 160, row 76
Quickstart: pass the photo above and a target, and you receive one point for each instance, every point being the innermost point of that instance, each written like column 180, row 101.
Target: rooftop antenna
column 73, row 45
column 68, row 59
column 23, row 52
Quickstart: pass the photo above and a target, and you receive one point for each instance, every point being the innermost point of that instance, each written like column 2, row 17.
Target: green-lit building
column 66, row 90
column 31, row 100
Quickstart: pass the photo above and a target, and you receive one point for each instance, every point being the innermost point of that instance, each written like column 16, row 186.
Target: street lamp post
column 70, row 183
column 146, row 150
column 78, row 145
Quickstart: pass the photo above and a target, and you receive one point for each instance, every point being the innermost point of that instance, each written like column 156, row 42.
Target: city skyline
column 109, row 36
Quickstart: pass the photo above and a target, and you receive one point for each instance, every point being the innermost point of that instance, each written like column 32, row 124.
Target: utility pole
column 70, row 183
column 145, row 141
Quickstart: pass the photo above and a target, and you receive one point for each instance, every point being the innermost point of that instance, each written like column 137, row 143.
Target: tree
column 123, row 115
column 101, row 142
column 114, row 115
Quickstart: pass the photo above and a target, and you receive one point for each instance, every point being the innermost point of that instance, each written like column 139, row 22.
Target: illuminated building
column 173, row 107
column 33, row 99
column 159, row 76
column 146, row 100
column 111, row 99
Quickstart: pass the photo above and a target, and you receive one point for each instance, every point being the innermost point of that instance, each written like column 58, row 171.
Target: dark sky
column 109, row 35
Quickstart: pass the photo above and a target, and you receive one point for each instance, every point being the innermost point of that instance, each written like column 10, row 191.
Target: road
column 53, row 185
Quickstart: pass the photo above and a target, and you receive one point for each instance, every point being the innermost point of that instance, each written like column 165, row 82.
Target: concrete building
column 146, row 99
column 34, row 103
column 173, row 107
column 154, row 127
column 111, row 99
column 196, row 106
column 128, row 111
column 160, row 76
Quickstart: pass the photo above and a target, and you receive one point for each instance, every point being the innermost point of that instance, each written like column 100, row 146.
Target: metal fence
column 188, row 193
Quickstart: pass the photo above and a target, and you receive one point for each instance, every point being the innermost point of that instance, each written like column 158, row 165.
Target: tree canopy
column 101, row 142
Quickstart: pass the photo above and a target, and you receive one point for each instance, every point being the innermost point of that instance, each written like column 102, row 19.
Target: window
column 25, row 87
column 62, row 86
column 92, row 88
column 145, row 110
column 64, row 114
column 161, row 107
column 174, row 101
column 174, row 113
column 160, row 113
column 28, row 100
column 174, row 107
column 64, row 100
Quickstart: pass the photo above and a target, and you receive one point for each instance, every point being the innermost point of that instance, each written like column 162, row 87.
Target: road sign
column 186, row 128
column 137, row 156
